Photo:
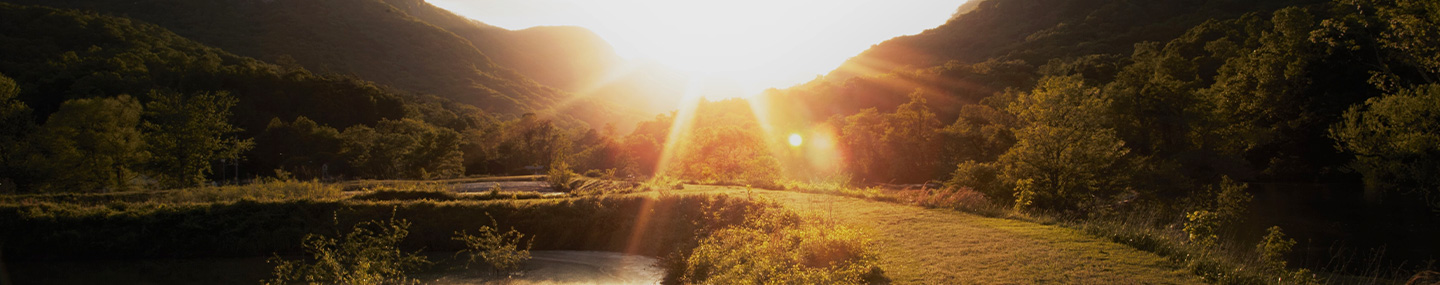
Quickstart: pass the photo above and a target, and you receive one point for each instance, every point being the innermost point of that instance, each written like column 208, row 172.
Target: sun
column 747, row 45
column 796, row 140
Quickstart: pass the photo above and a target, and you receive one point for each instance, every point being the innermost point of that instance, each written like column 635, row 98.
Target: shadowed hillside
column 573, row 59
column 367, row 38
column 1039, row 30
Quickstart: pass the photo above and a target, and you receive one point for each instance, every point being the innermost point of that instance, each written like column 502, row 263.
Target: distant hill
column 573, row 59
column 367, row 38
column 1039, row 30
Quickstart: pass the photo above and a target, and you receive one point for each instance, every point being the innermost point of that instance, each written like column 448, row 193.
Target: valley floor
column 932, row 246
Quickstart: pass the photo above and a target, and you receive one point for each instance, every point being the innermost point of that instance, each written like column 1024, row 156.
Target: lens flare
column 796, row 140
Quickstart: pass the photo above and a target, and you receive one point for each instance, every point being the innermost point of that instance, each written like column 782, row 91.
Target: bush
column 1201, row 226
column 560, row 177
column 1273, row 248
column 982, row 177
column 369, row 254
column 501, row 251
column 775, row 248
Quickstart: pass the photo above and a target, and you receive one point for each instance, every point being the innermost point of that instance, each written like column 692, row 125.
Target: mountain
column 1037, row 31
column 573, row 59
column 370, row 39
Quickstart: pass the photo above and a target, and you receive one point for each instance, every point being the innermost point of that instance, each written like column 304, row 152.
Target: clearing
column 935, row 246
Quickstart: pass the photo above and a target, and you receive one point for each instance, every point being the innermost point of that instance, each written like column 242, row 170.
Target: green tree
column 894, row 147
column 303, row 147
column 1396, row 143
column 1259, row 93
column 405, row 148
column 90, row 144
column 188, row 133
column 1066, row 150
column 15, row 123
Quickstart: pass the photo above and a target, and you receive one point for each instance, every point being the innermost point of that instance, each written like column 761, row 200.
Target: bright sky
column 757, row 44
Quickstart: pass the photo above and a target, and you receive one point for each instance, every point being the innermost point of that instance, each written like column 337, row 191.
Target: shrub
column 560, row 176
column 499, row 250
column 774, row 248
column 1273, row 248
column 982, row 177
column 1201, row 226
column 369, row 254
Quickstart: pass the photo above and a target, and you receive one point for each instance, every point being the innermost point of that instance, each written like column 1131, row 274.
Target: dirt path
column 928, row 246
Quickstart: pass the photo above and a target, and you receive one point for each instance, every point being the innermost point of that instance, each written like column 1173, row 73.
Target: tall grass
column 273, row 190
column 777, row 247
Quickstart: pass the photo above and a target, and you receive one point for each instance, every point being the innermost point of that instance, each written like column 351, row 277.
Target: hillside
column 573, row 59
column 58, row 55
column 367, row 38
column 1037, row 31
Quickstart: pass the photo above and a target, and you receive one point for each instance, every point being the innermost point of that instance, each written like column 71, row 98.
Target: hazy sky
column 757, row 43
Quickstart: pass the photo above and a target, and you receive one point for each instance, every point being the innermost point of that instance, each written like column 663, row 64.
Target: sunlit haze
column 756, row 44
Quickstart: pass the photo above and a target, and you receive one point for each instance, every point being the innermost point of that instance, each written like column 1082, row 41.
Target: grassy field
column 932, row 246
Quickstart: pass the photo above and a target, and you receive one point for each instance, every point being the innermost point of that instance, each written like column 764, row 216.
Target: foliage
column 1066, row 152
column 894, row 146
column 560, row 177
column 1396, row 142
column 192, row 131
column 405, row 148
column 1203, row 226
column 982, row 177
column 499, row 250
column 88, row 145
column 1273, row 248
column 774, row 248
column 368, row 254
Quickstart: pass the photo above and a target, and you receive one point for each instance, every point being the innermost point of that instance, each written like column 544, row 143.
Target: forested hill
column 91, row 102
column 1039, row 30
column 367, row 38
column 573, row 59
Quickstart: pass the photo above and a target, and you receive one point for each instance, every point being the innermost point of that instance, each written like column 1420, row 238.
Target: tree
column 90, row 144
column 913, row 141
column 891, row 147
column 1396, row 143
column 1066, row 152
column 303, row 147
column 188, row 133
column 405, row 148
column 15, row 123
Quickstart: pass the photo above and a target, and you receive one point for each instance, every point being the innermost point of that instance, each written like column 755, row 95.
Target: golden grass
column 933, row 246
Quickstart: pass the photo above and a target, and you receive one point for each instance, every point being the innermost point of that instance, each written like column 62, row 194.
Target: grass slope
column 930, row 246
